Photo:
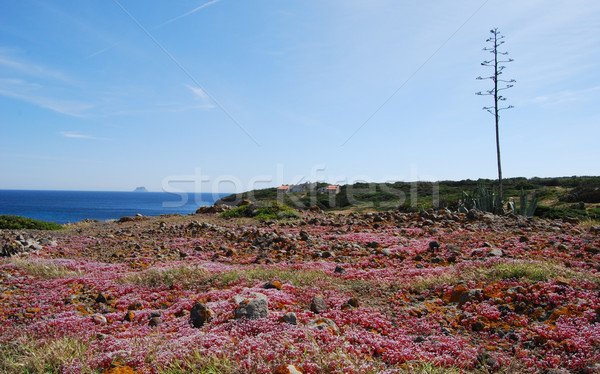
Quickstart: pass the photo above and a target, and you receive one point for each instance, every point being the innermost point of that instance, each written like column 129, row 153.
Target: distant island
column 140, row 189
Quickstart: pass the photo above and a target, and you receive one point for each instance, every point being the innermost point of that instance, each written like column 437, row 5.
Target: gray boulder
column 318, row 305
column 253, row 308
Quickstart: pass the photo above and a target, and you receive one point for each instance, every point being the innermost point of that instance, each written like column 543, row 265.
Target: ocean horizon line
column 119, row 191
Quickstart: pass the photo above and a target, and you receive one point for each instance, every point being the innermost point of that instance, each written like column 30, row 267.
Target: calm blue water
column 74, row 206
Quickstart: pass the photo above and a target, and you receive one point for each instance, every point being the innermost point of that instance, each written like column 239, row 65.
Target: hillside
column 559, row 197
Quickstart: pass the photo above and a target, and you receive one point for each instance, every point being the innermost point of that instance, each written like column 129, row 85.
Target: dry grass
column 194, row 276
column 200, row 364
column 297, row 277
column 185, row 276
column 589, row 223
column 43, row 268
column 534, row 271
column 35, row 356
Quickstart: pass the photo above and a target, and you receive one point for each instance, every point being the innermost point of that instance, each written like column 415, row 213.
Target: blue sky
column 230, row 94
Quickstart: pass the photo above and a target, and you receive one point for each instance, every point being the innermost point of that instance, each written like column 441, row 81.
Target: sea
column 74, row 206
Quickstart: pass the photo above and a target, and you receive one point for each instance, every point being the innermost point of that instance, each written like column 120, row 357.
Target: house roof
column 283, row 187
column 333, row 187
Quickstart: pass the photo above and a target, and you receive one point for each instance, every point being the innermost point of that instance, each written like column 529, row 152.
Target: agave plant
column 527, row 206
column 482, row 199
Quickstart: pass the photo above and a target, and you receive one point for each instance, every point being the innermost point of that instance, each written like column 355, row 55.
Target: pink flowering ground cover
column 401, row 293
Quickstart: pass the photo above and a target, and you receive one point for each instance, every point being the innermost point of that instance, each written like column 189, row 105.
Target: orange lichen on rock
column 119, row 369
column 457, row 292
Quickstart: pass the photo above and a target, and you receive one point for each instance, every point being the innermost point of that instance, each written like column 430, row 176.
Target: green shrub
column 18, row 223
column 586, row 194
column 543, row 211
column 273, row 210
column 240, row 211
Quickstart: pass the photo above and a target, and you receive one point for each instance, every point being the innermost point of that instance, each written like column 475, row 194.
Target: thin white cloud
column 68, row 134
column 16, row 82
column 201, row 96
column 101, row 51
column 36, row 94
column 188, row 13
column 31, row 69
column 113, row 45
column 74, row 135
column 199, row 92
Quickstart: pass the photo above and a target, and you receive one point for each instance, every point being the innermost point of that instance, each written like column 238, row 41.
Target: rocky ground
column 329, row 293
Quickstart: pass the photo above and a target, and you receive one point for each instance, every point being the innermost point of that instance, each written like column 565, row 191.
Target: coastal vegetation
column 560, row 197
column 10, row 222
column 264, row 211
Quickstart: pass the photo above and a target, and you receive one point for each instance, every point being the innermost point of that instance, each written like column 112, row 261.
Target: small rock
column 154, row 321
column 230, row 252
column 135, row 306
column 556, row 371
column 345, row 306
column 339, row 269
column 289, row 318
column 129, row 317
column 476, row 253
column 487, row 360
column 457, row 292
column 478, row 326
column 252, row 309
column 495, row 253
column 99, row 319
column 323, row 323
column 101, row 298
column 318, row 304
column 473, row 214
column 200, row 314
column 419, row 339
column 286, row 369
column 304, row 235
column 433, row 245
column 272, row 285
column 353, row 302
column 571, row 220
column 513, row 291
